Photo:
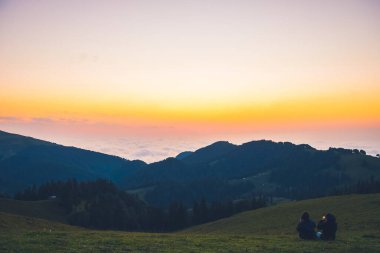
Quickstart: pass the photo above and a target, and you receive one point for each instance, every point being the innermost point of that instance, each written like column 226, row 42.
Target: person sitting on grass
column 306, row 227
column 328, row 227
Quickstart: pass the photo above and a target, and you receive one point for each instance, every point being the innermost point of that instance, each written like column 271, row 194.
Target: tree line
column 371, row 185
column 100, row 204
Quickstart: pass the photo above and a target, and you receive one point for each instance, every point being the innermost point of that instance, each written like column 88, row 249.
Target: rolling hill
column 13, row 223
column 25, row 161
column 44, row 209
column 269, row 229
column 358, row 213
column 233, row 171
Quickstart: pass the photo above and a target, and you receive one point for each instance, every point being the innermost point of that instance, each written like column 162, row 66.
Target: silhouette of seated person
column 306, row 227
column 328, row 227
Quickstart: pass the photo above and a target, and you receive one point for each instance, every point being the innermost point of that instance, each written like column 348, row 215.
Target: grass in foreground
column 100, row 241
column 246, row 232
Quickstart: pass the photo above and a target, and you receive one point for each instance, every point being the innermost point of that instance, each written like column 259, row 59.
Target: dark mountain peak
column 306, row 146
column 168, row 163
column 183, row 155
column 210, row 153
column 263, row 142
column 219, row 145
column 272, row 144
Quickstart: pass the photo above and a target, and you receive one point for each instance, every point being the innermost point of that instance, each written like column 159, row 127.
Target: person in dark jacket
column 306, row 227
column 328, row 227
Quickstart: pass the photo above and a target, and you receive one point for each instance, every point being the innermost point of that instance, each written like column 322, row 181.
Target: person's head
column 330, row 218
column 305, row 216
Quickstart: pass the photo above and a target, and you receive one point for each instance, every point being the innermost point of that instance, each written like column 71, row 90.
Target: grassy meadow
column 269, row 229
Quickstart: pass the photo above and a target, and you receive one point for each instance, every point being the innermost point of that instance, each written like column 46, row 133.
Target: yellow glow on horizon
column 351, row 109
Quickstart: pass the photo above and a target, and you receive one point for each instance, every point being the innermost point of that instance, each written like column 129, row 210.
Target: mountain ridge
column 280, row 169
column 25, row 161
column 218, row 172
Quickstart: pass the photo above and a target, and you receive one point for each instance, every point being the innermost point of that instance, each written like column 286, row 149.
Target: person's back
column 328, row 226
column 306, row 227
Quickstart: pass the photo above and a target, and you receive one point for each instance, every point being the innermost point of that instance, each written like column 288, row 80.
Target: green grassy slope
column 265, row 230
column 353, row 212
column 12, row 223
column 44, row 209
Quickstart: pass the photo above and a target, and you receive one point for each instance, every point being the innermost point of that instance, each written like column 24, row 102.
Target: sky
column 149, row 79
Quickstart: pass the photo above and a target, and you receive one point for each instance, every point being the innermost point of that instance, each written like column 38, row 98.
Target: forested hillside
column 25, row 161
column 224, row 171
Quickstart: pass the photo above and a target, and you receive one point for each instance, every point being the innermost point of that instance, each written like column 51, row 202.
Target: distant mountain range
column 25, row 161
column 219, row 172
column 224, row 171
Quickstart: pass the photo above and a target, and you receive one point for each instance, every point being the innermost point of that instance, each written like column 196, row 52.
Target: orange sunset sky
column 149, row 79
